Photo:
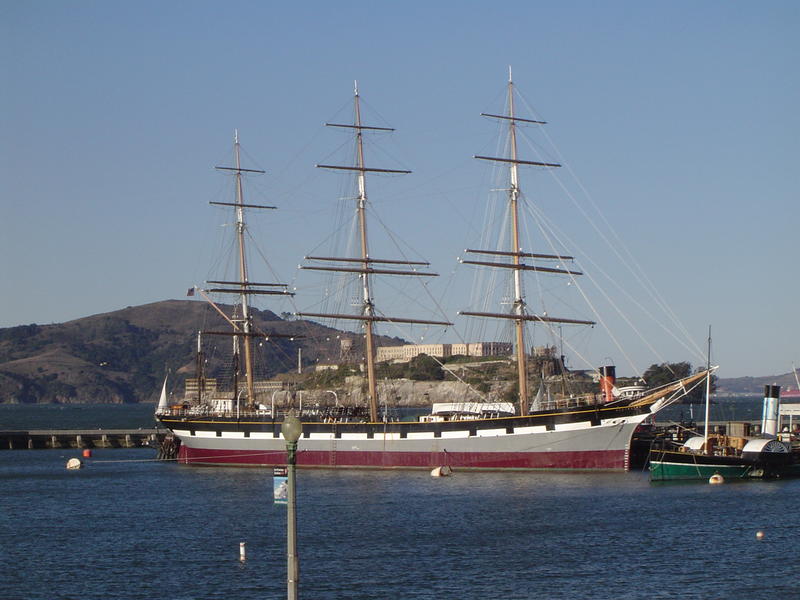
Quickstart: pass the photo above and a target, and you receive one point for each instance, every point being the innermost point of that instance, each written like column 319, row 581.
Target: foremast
column 519, row 313
column 242, row 326
column 365, row 266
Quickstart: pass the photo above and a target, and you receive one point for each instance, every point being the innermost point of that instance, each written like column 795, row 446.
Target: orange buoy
column 87, row 453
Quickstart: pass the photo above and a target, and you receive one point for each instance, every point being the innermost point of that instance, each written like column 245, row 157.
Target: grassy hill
column 122, row 356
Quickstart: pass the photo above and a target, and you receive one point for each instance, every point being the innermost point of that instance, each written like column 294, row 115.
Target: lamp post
column 291, row 429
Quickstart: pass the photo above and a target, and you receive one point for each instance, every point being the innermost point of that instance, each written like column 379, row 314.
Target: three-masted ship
column 590, row 432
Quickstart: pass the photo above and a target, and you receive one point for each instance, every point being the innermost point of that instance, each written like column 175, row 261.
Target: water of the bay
column 127, row 526
column 76, row 416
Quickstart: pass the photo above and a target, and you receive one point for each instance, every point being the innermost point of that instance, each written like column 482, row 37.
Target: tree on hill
column 658, row 375
column 665, row 373
column 425, row 368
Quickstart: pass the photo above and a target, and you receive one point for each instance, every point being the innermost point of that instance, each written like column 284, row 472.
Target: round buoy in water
column 74, row 463
column 87, row 453
column 441, row 471
column 716, row 479
column 759, row 535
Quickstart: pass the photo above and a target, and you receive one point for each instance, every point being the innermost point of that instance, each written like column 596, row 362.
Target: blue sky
column 679, row 119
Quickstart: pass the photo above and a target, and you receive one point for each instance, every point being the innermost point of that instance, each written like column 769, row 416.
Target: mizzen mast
column 518, row 312
column 364, row 265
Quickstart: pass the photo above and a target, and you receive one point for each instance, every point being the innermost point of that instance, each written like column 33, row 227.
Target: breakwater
column 80, row 438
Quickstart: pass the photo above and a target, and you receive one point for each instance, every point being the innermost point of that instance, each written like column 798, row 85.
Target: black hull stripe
column 548, row 420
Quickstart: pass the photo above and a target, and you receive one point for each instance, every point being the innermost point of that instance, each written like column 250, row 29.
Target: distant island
column 123, row 356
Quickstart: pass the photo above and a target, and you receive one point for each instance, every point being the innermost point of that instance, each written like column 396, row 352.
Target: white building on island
column 406, row 352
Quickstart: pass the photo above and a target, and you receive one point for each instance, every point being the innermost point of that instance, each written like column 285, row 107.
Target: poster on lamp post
column 279, row 485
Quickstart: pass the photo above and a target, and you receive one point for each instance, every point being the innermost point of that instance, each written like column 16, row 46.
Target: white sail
column 538, row 401
column 162, row 401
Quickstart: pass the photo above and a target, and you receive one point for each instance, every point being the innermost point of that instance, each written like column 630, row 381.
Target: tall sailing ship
column 585, row 432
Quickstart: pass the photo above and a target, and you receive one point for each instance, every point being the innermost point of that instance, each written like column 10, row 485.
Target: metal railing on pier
column 80, row 438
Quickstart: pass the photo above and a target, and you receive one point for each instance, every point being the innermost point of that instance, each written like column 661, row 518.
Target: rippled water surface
column 126, row 526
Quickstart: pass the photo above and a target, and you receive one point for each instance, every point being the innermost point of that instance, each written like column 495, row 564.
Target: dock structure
column 80, row 438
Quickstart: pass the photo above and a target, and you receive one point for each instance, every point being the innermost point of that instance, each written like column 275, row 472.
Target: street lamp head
column 291, row 428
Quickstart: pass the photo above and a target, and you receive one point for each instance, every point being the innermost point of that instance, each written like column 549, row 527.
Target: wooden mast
column 243, row 327
column 519, row 300
column 363, row 265
column 519, row 312
column 200, row 369
column 243, row 278
column 368, row 306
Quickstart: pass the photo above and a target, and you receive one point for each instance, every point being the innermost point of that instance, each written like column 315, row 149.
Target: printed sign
column 280, row 488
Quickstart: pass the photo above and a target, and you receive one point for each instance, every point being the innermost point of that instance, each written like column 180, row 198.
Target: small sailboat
column 163, row 402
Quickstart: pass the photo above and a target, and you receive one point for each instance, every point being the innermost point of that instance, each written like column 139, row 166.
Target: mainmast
column 361, row 210
column 519, row 300
column 364, row 265
column 243, row 326
column 519, row 312
column 243, row 279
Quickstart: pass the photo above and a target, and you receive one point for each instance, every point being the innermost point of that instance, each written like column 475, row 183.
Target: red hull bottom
column 616, row 460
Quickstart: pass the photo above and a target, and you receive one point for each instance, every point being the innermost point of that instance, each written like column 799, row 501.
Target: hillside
column 122, row 356
column 755, row 385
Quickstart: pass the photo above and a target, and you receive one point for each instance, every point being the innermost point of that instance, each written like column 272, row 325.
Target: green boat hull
column 675, row 466
column 668, row 471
